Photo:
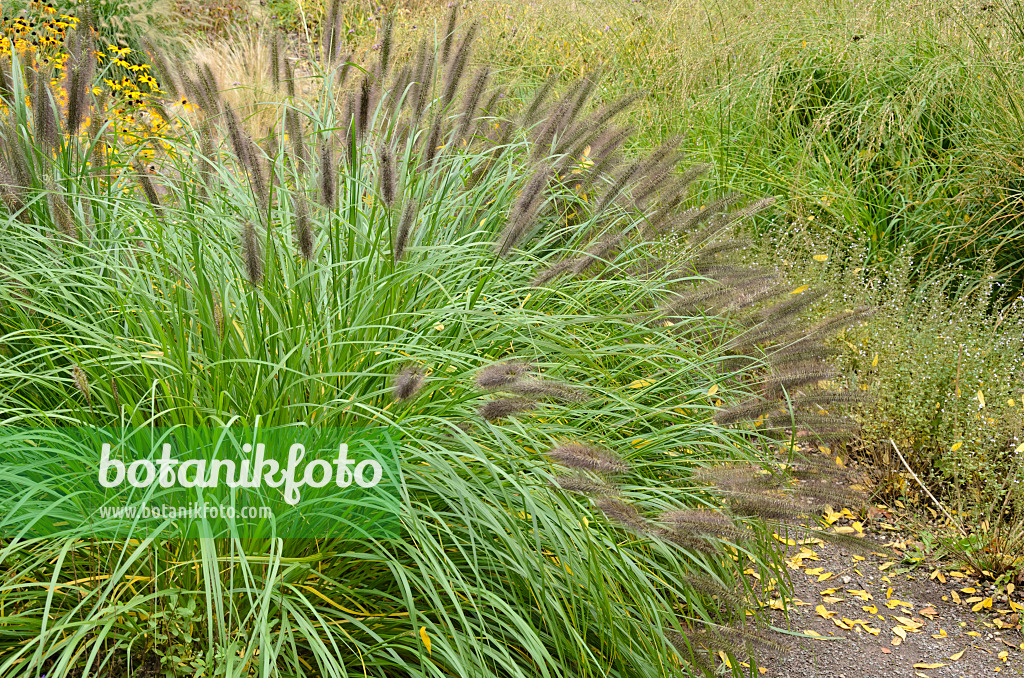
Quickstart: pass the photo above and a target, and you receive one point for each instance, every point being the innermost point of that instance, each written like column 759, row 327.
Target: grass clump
column 395, row 254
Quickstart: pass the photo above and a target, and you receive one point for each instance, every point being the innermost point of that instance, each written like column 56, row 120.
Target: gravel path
column 876, row 618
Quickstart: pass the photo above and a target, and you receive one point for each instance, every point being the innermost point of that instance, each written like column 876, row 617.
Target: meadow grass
column 888, row 124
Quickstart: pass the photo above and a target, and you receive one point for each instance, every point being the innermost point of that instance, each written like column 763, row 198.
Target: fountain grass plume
column 408, row 383
column 78, row 76
column 364, row 104
column 332, row 40
column 555, row 120
column 288, row 74
column 470, row 102
column 147, row 185
column 621, row 513
column 385, row 45
column 588, row 458
column 582, row 485
column 274, row 65
column 44, row 114
column 502, row 374
column 542, row 388
column 399, row 91
column 757, row 407
column 61, row 213
column 248, row 155
column 529, row 116
column 252, row 254
column 293, row 126
column 303, row 227
column 778, row 384
column 328, row 182
column 449, row 33
column 503, row 408
column 424, row 81
column 404, row 230
column 388, row 179
column 772, row 508
column 458, row 66
column 704, row 522
column 521, row 217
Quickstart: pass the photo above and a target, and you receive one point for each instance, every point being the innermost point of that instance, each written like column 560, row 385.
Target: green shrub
column 948, row 380
column 944, row 367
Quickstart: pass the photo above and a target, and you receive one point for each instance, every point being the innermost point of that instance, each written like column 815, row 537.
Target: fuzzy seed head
column 502, row 374
column 504, row 408
column 408, row 383
column 588, row 458
column 252, row 254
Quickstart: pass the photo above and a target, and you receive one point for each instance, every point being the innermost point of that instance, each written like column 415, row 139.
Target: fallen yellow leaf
column 425, row 638
column 959, row 654
column 640, row 383
column 929, row 666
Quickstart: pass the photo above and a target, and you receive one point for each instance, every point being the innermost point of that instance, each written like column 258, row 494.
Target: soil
column 986, row 642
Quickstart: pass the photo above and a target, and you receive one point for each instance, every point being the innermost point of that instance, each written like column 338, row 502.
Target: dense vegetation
column 599, row 372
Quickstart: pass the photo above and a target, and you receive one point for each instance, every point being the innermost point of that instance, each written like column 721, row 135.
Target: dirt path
column 875, row 618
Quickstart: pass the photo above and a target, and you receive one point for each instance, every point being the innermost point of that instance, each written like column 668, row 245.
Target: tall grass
column 377, row 263
column 888, row 124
